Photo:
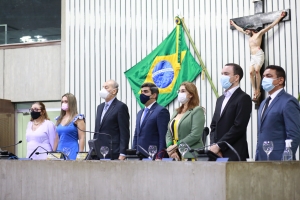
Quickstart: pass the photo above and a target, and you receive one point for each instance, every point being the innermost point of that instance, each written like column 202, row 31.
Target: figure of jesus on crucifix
column 257, row 54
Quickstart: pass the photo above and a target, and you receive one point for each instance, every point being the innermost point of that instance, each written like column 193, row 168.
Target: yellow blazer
column 190, row 128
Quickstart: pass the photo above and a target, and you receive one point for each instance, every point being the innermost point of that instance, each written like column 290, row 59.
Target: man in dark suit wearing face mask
column 151, row 122
column 113, row 119
column 278, row 116
column 231, row 117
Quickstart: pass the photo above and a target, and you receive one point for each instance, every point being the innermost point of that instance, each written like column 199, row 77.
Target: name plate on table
column 81, row 155
column 54, row 156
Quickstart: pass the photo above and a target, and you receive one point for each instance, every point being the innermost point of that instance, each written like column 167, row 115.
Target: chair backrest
column 205, row 134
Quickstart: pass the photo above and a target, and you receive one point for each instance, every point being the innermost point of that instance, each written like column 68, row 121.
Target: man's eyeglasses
column 34, row 109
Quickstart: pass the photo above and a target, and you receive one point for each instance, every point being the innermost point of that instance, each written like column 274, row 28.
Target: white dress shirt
column 227, row 95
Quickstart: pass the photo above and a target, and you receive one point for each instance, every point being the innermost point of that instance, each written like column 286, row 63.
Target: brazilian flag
column 167, row 66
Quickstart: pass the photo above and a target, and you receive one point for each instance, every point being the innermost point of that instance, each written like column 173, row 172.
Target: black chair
column 205, row 134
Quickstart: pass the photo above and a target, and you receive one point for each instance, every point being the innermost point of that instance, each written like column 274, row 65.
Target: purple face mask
column 64, row 106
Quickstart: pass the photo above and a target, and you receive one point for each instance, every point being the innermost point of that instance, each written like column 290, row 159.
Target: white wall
column 31, row 73
column 103, row 39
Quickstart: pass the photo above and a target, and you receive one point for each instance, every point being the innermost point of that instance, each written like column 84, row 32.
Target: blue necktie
column 145, row 114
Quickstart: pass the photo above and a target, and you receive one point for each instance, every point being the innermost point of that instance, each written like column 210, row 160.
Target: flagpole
column 198, row 56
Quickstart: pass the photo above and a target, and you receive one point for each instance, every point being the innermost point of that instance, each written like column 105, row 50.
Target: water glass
column 104, row 151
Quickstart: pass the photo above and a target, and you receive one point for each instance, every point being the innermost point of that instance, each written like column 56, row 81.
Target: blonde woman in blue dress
column 70, row 137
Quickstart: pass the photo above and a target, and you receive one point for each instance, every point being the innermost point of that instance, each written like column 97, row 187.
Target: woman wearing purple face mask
column 71, row 139
column 40, row 132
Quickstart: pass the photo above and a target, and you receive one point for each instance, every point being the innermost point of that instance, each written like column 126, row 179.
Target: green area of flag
column 189, row 68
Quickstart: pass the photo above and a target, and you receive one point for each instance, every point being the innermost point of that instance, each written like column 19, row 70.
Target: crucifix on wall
column 253, row 26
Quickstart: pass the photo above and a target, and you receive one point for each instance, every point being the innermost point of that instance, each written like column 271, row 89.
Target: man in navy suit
column 151, row 122
column 278, row 115
column 113, row 119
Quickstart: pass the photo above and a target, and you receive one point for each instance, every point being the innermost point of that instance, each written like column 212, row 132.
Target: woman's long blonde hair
column 72, row 104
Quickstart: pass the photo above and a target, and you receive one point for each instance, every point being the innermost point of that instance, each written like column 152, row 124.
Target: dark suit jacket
column 115, row 122
column 231, row 126
column 281, row 121
column 153, row 129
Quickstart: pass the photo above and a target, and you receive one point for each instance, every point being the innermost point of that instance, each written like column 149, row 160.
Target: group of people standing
column 42, row 135
column 278, row 120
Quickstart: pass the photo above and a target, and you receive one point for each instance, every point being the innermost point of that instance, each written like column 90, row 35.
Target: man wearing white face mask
column 231, row 117
column 113, row 119
column 278, row 116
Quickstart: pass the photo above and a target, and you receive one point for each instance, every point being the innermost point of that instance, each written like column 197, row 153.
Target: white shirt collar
column 229, row 92
column 275, row 94
column 150, row 105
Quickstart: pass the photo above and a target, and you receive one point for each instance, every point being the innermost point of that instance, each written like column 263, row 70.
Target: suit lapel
column 272, row 104
column 219, row 106
column 109, row 111
column 170, row 123
column 187, row 113
column 100, row 113
column 260, row 110
column 232, row 98
column 148, row 114
column 139, row 115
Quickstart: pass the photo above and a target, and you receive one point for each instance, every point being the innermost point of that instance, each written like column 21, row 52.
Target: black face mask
column 144, row 98
column 35, row 115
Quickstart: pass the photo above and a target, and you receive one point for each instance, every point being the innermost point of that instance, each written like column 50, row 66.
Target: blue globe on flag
column 163, row 74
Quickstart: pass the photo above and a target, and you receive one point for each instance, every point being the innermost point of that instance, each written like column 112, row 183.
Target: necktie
column 104, row 110
column 143, row 117
column 266, row 106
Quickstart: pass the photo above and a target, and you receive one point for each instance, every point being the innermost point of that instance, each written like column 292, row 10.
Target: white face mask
column 103, row 93
column 182, row 98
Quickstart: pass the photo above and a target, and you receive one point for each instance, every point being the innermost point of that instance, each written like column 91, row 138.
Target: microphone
column 111, row 149
column 11, row 145
column 231, row 147
column 146, row 152
column 47, row 152
column 203, row 151
column 33, row 151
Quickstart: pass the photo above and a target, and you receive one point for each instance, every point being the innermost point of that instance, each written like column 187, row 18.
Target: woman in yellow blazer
column 187, row 123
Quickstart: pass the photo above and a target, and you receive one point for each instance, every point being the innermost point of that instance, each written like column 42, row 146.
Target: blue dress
column 68, row 137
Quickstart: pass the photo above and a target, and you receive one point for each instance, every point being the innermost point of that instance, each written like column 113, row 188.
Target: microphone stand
column 111, row 149
column 47, row 152
column 189, row 148
column 10, row 145
column 144, row 151
column 202, row 150
column 231, row 147
column 33, row 151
